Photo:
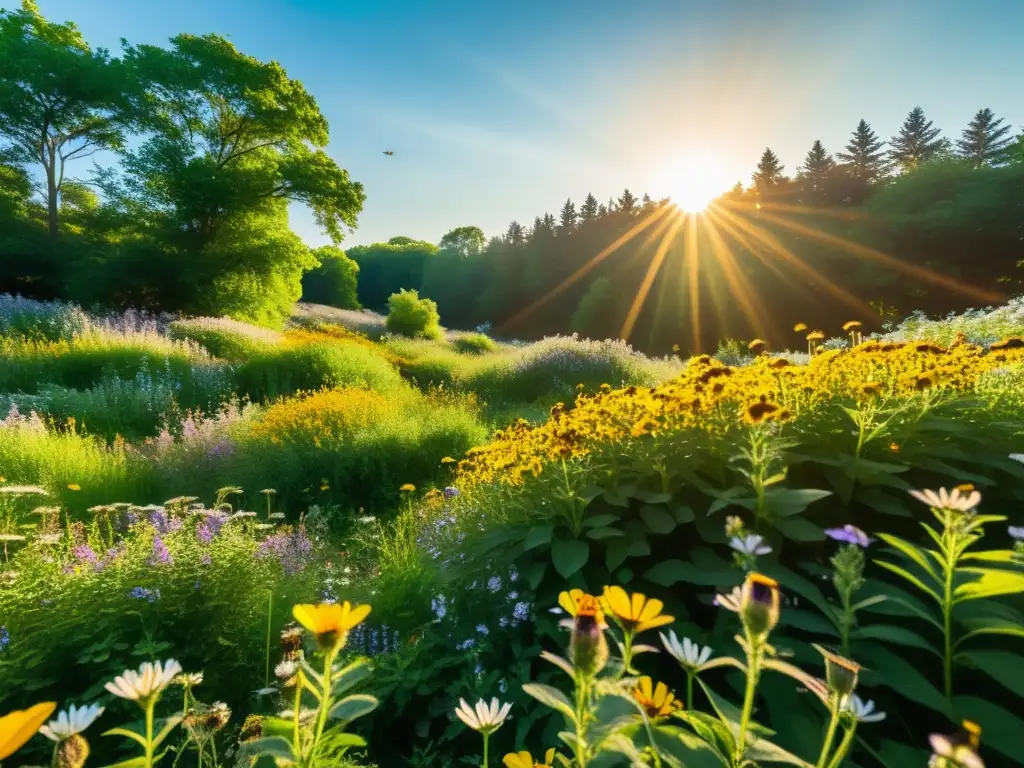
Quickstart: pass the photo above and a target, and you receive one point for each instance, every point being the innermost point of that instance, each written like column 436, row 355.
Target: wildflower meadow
column 228, row 546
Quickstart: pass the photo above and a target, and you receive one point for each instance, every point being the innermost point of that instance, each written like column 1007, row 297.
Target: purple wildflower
column 85, row 555
column 161, row 555
column 5, row 638
column 1016, row 532
column 292, row 550
column 450, row 492
column 850, row 534
column 142, row 593
column 521, row 611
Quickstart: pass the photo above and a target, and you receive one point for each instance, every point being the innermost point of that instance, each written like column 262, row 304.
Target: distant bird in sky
column 388, row 152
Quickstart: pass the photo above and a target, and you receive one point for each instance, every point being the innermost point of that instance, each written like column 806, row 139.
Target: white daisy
column 864, row 711
column 484, row 718
column 962, row 502
column 188, row 679
column 150, row 680
column 730, row 602
column 687, row 653
column 70, row 722
column 751, row 544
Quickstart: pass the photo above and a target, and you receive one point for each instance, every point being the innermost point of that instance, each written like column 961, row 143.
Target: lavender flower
column 142, row 593
column 482, row 629
column 450, row 492
column 494, row 583
column 291, row 549
column 5, row 638
column 440, row 607
column 752, row 544
column 161, row 555
column 85, row 555
column 521, row 611
column 1016, row 532
column 465, row 645
column 850, row 534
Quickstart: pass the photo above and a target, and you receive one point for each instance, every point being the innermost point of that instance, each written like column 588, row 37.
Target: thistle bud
column 588, row 648
column 840, row 673
column 72, row 752
column 759, row 604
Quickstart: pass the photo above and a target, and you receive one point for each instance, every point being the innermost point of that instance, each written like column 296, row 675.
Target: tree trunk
column 51, row 192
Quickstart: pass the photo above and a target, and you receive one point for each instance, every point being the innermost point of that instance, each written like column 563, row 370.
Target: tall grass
column 223, row 337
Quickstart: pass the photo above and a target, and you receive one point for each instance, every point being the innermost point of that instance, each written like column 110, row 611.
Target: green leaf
column 683, row 513
column 669, row 572
column 658, row 519
column 340, row 739
column 538, row 536
column 908, row 576
column 790, row 581
column 551, row 697
column 888, row 669
column 278, row 726
column 615, row 553
column 1012, row 630
column 653, row 497
column 798, row 529
column 274, row 745
column 141, row 739
column 688, row 749
column 569, row 556
column 351, row 707
column 914, row 553
column 559, row 662
column 1007, row 556
column 892, row 634
column 135, row 762
column 987, row 583
column 1001, row 729
column 350, row 676
column 1002, row 666
column 766, row 752
column 604, row 533
column 599, row 521
column 809, row 622
column 168, row 725
column 785, row 502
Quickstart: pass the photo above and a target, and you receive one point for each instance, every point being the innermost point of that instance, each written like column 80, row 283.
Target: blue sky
column 500, row 111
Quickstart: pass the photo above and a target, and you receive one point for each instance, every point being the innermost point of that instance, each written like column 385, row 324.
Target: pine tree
column 768, row 173
column 627, row 203
column 589, row 210
column 816, row 169
column 917, row 142
column 612, row 206
column 647, row 201
column 864, row 154
column 984, row 140
column 602, row 211
column 567, row 218
column 515, row 234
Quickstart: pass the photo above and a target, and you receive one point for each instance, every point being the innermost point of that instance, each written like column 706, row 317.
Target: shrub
column 370, row 324
column 334, row 281
column 474, row 343
column 51, row 320
column 409, row 315
column 281, row 372
column 223, row 337
column 979, row 326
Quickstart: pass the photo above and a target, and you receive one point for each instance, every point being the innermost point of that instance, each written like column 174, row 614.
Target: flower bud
column 759, row 604
column 72, row 752
column 588, row 648
column 840, row 673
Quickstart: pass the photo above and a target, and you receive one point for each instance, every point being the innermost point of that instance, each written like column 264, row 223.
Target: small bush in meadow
column 474, row 344
column 52, row 320
column 282, row 372
column 223, row 337
column 979, row 326
column 364, row 321
column 410, row 315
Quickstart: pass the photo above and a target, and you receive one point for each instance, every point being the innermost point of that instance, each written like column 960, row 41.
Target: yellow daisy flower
column 407, row 488
column 330, row 622
column 635, row 612
column 21, row 725
column 657, row 701
column 525, row 760
column 74, row 487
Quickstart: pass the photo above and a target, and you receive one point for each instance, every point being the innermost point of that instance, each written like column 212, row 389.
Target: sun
column 693, row 179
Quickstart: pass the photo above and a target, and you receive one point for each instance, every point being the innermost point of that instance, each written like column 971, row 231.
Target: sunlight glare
column 693, row 179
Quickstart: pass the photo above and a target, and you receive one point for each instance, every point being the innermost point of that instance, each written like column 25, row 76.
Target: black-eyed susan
column 635, row 613
column 21, row 725
column 657, row 701
column 852, row 325
column 447, row 460
column 814, row 336
column 800, row 327
column 588, row 648
column 525, row 760
column 759, row 603
column 762, row 410
column 330, row 622
column 407, row 488
column 757, row 346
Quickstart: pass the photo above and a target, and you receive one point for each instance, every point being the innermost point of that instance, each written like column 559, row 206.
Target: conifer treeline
column 946, row 208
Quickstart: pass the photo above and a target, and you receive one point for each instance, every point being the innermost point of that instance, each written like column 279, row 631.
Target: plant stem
column 325, row 701
column 487, row 738
column 689, row 691
column 947, row 606
column 299, row 682
column 582, row 694
column 150, row 706
column 753, row 668
column 830, row 734
column 844, row 747
column 270, row 608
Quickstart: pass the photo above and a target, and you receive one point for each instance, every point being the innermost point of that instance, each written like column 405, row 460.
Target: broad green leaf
column 916, row 554
column 892, row 634
column 987, row 583
column 686, row 748
column 789, row 581
column 658, row 519
column 278, row 726
column 898, row 602
column 908, row 576
column 669, row 572
column 784, row 502
column 537, row 536
column 569, row 556
column 275, row 746
column 886, row 668
column 141, row 739
column 883, row 501
column 599, row 521
column 350, row 676
column 683, row 514
column 1007, row 556
column 340, row 739
column 895, row 754
column 168, row 725
column 809, row 622
column 615, row 553
column 1002, row 666
column 351, row 707
column 798, row 529
column 551, row 697
column 604, row 533
column 763, row 751
column 653, row 497
column 1011, row 629
column 1001, row 729
column 559, row 662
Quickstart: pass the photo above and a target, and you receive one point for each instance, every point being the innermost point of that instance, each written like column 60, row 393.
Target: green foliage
column 465, row 241
column 474, row 343
column 334, row 281
column 388, row 267
column 223, row 337
column 409, row 315
column 283, row 371
column 592, row 314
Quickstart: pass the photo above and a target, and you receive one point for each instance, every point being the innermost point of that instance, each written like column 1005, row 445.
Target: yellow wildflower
column 636, row 612
column 74, row 487
column 330, row 622
column 407, row 488
column 21, row 725
column 525, row 760
column 657, row 701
